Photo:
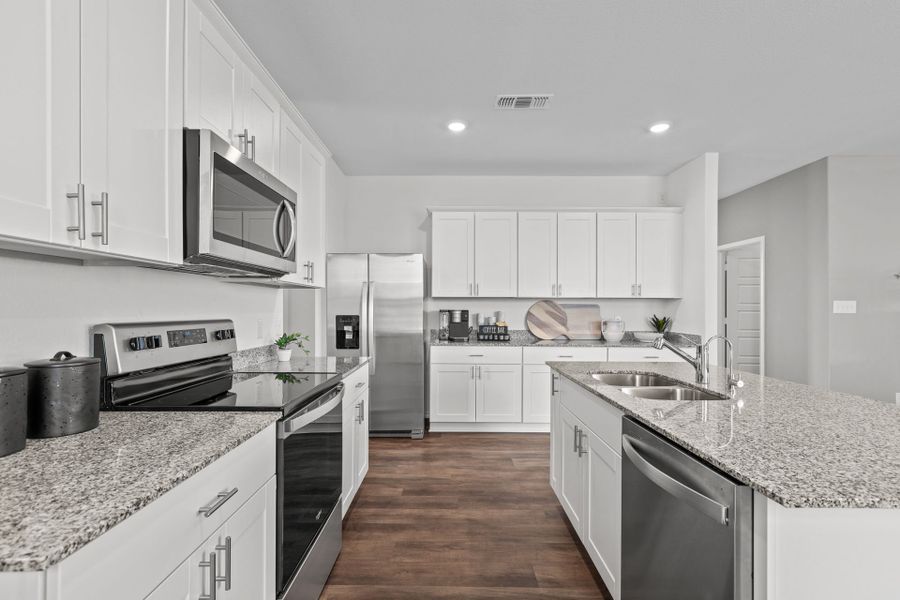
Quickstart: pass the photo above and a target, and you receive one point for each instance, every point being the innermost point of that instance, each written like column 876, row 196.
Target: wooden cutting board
column 582, row 321
column 546, row 320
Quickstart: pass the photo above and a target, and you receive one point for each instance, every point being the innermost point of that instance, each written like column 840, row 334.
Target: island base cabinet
column 603, row 509
column 355, row 448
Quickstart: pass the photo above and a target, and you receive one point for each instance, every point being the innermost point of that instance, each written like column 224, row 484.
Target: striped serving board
column 546, row 320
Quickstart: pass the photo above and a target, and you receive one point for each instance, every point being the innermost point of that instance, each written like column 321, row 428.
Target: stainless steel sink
column 672, row 393
column 633, row 379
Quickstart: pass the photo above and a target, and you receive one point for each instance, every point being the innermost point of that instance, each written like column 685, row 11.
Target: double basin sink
column 654, row 387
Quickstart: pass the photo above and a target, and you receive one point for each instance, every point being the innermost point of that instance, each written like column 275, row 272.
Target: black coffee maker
column 454, row 325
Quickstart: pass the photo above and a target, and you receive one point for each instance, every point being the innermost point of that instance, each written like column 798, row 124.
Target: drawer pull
column 221, row 498
column 651, row 357
column 360, row 384
column 476, row 355
column 566, row 356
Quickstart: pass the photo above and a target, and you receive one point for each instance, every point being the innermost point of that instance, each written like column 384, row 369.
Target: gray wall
column 790, row 211
column 863, row 255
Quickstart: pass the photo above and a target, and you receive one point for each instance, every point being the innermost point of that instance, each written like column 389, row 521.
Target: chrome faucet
column 700, row 361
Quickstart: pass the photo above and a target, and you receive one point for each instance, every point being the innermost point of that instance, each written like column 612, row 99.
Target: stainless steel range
column 187, row 366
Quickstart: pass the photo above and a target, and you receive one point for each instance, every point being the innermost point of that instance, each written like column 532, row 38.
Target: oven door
column 308, row 535
column 235, row 211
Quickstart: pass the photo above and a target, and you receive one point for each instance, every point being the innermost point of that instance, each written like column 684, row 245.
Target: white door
column 251, row 531
column 616, row 261
column 131, row 110
column 603, row 510
column 536, row 393
column 177, row 586
column 41, row 101
column 361, row 461
column 499, row 394
column 311, row 242
column 537, row 254
column 452, row 393
column 577, row 255
column 348, row 454
column 452, row 254
column 571, row 473
column 261, row 116
column 743, row 304
column 496, row 254
column 212, row 80
column 659, row 252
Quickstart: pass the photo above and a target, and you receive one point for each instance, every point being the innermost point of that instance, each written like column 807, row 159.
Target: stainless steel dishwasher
column 687, row 529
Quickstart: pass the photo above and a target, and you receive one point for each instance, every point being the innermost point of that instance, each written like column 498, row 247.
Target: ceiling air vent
column 522, row 102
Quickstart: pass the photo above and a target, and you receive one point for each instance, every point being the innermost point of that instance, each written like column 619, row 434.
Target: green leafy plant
column 287, row 339
column 660, row 324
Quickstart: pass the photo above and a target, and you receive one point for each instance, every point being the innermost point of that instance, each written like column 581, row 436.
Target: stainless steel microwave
column 238, row 218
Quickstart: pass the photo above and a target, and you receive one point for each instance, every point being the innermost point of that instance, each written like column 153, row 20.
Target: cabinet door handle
column 245, row 138
column 78, row 196
column 473, row 372
column 213, row 577
column 479, row 371
column 471, row 293
column 221, row 498
column 554, row 378
column 553, row 290
column 581, row 436
column 252, row 144
column 575, row 437
column 227, row 577
column 103, row 234
column 559, row 289
column 360, row 384
column 640, row 289
column 476, row 289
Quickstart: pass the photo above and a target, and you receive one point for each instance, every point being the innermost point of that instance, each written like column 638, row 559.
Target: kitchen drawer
column 356, row 383
column 476, row 355
column 643, row 354
column 601, row 417
column 539, row 356
column 167, row 530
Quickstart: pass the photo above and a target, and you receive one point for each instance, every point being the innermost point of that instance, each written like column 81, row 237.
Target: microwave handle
column 293, row 217
column 276, row 230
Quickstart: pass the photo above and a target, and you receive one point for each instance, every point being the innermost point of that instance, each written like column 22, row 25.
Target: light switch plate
column 844, row 307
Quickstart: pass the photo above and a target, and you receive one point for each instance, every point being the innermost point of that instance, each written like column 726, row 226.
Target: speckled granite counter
column 341, row 365
column 59, row 494
column 798, row 445
column 523, row 337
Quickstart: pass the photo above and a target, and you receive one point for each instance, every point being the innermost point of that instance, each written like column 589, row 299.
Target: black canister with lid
column 13, row 402
column 63, row 395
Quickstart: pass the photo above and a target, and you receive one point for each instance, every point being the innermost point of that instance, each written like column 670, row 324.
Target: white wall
column 50, row 306
column 863, row 256
column 695, row 186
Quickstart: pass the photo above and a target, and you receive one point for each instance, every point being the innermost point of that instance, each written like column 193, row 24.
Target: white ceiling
column 769, row 84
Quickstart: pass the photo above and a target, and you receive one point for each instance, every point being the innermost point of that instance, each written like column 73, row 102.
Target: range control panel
column 186, row 337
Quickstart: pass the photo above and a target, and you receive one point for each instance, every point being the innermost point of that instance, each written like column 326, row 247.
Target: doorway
column 742, row 311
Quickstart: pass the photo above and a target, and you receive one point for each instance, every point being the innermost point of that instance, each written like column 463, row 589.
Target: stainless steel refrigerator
column 376, row 308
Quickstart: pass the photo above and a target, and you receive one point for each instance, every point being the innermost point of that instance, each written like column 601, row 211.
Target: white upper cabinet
column 131, row 111
column 311, row 205
column 616, row 262
column 537, row 254
column 659, row 255
column 452, row 254
column 41, row 100
column 260, row 122
column 213, row 79
column 577, row 255
column 496, row 254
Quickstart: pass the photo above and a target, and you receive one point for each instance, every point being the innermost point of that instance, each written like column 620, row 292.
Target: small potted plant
column 283, row 343
column 660, row 324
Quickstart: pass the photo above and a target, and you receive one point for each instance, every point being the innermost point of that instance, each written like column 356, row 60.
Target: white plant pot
column 283, row 355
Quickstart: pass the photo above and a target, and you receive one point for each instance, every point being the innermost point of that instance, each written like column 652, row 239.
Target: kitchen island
column 824, row 469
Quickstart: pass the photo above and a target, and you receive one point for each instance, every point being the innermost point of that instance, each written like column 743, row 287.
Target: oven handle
column 706, row 505
column 305, row 417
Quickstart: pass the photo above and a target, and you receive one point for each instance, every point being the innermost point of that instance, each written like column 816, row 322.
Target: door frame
column 720, row 301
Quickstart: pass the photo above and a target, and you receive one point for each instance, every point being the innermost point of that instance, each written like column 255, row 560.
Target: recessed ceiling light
column 660, row 127
column 456, row 126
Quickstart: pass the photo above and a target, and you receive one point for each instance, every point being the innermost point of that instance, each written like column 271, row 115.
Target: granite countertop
column 61, row 493
column 799, row 445
column 523, row 337
column 342, row 365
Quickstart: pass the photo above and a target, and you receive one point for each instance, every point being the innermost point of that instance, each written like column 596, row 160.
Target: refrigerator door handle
column 370, row 329
column 364, row 320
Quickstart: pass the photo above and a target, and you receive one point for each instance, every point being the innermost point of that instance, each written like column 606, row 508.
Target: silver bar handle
column 252, row 144
column 245, row 138
column 576, row 436
column 553, row 289
column 293, row 219
column 276, row 228
column 308, row 266
column 704, row 504
column 479, row 371
column 221, row 498
column 213, row 577
column 78, row 195
column 473, row 372
column 471, row 292
column 581, row 437
column 559, row 289
column 476, row 288
column 227, row 577
column 554, row 379
column 312, row 272
column 103, row 234
column 640, row 289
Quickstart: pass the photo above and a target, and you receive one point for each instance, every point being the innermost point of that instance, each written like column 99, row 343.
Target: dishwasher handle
column 704, row 504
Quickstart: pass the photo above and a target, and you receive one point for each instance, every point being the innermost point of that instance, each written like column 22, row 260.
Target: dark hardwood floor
column 460, row 516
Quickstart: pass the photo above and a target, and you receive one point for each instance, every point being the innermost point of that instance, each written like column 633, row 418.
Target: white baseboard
column 489, row 427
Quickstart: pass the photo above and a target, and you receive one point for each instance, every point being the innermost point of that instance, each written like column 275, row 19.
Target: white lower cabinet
column 585, row 472
column 355, row 460
column 452, row 393
column 498, row 394
column 536, row 393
